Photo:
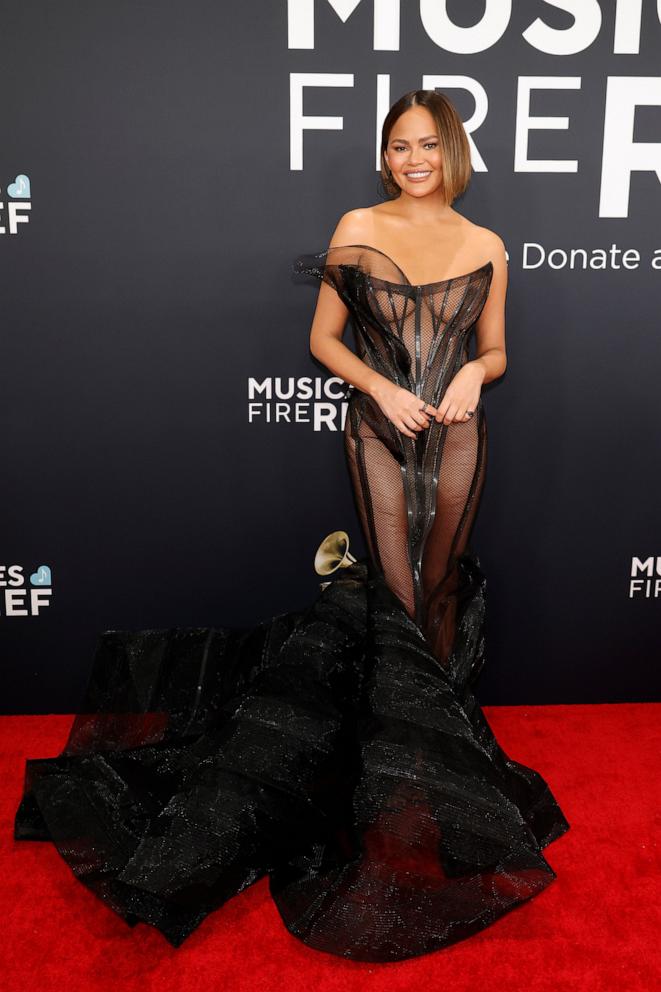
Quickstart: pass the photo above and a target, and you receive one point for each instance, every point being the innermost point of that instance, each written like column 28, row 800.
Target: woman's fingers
column 408, row 413
column 413, row 419
column 453, row 413
column 450, row 414
column 404, row 429
column 423, row 414
column 410, row 421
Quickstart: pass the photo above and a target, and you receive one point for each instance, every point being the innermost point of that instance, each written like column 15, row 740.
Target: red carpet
column 596, row 926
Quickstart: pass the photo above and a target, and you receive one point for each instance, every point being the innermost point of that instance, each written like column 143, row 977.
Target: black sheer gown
column 338, row 749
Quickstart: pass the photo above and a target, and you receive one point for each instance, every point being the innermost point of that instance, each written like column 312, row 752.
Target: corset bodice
column 415, row 335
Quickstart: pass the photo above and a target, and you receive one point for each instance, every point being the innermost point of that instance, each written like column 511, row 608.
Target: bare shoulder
column 488, row 244
column 353, row 228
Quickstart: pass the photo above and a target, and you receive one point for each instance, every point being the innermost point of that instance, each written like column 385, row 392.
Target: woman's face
column 414, row 153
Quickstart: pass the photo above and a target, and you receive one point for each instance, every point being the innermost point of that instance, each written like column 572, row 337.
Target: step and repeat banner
column 172, row 453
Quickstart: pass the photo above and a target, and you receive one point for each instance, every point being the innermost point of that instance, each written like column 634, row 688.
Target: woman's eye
column 402, row 148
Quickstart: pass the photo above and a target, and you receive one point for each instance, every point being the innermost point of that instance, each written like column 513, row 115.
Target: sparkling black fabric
column 338, row 749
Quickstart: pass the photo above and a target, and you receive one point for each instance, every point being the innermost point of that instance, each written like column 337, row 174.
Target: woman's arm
column 330, row 318
column 401, row 406
column 491, row 356
column 463, row 392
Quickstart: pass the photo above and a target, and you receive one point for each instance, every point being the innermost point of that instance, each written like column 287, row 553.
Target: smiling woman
column 398, row 146
column 441, row 156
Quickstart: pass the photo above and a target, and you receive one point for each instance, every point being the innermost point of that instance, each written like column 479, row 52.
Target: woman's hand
column 462, row 394
column 403, row 408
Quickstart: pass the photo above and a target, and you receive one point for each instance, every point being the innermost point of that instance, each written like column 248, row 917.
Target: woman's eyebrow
column 426, row 138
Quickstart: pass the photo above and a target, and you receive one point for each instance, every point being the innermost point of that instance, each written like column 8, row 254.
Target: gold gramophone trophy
column 333, row 553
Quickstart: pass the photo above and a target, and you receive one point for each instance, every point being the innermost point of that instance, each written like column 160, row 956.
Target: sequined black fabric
column 337, row 749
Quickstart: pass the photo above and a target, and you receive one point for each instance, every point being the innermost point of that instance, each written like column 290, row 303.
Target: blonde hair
column 455, row 149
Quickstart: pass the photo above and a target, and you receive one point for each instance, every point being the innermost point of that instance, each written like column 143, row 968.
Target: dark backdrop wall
column 171, row 451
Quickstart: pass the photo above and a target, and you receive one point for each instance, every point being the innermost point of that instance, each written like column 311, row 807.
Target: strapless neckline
column 423, row 285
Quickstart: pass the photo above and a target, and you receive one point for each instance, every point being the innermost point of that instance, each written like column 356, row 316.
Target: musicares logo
column 645, row 578
column 18, row 205
column 306, row 400
column 21, row 600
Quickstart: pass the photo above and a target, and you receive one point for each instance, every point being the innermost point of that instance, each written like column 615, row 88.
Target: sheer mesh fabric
column 417, row 498
column 338, row 749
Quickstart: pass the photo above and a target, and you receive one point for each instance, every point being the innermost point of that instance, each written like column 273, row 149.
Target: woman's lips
column 418, row 177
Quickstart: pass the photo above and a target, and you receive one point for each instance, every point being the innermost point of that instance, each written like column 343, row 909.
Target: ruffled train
column 325, row 748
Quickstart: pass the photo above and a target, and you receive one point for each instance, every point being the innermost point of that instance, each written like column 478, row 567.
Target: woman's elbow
column 317, row 345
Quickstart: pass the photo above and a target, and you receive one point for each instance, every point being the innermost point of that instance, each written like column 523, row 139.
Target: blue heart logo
column 41, row 577
column 20, row 188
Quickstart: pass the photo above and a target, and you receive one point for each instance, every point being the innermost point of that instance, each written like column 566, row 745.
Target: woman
column 339, row 749
column 414, row 374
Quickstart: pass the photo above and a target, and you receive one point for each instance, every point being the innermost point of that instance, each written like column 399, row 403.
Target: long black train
column 338, row 749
